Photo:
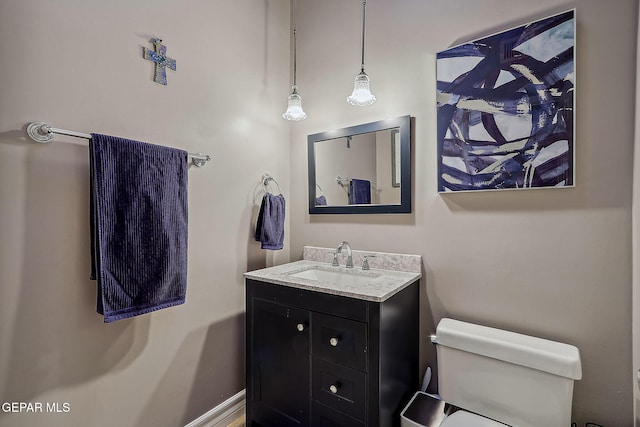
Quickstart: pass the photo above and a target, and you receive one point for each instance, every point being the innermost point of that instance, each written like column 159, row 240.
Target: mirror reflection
column 358, row 169
column 361, row 169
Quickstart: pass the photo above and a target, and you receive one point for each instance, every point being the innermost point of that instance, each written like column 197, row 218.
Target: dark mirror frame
column 404, row 125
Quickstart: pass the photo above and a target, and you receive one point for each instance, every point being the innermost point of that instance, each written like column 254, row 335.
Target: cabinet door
column 280, row 385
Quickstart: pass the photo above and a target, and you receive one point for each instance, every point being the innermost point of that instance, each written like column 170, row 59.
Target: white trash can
column 423, row 410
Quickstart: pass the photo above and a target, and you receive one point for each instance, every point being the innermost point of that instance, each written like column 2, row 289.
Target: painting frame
column 506, row 109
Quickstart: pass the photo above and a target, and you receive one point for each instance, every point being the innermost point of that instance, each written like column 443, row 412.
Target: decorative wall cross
column 159, row 56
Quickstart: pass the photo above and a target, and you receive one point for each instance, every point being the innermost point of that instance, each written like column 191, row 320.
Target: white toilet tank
column 516, row 379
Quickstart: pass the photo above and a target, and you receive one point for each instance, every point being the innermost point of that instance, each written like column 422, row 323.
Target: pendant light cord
column 295, row 43
column 294, row 101
column 364, row 5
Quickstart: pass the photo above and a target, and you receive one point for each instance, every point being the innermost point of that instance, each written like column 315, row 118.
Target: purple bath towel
column 270, row 225
column 359, row 192
column 139, row 226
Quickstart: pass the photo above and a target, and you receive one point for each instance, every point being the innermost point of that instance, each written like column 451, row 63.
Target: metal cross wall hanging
column 159, row 57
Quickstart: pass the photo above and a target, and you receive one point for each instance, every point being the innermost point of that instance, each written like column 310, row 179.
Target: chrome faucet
column 349, row 263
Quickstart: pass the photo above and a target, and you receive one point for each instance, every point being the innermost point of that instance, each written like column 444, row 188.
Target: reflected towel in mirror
column 359, row 192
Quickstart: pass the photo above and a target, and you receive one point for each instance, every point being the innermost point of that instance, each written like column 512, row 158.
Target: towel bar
column 42, row 132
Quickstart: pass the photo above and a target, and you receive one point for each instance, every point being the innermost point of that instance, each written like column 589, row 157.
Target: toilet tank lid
column 536, row 353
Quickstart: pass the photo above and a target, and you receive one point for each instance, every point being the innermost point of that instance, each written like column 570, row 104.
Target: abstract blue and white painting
column 506, row 109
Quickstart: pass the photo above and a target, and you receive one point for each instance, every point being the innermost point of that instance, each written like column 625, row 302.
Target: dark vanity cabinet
column 322, row 360
column 281, row 374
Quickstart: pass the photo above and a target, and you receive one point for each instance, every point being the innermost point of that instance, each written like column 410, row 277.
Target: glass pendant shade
column 294, row 107
column 361, row 94
column 294, row 102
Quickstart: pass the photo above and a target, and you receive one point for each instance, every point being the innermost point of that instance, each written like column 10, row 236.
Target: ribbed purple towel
column 359, row 192
column 138, row 226
column 270, row 225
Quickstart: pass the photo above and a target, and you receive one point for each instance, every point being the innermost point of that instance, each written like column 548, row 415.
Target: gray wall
column 636, row 249
column 552, row 263
column 78, row 65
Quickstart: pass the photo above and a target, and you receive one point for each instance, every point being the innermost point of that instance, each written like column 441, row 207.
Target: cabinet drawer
column 339, row 340
column 339, row 387
column 321, row 416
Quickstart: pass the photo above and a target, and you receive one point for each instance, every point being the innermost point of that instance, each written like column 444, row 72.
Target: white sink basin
column 338, row 277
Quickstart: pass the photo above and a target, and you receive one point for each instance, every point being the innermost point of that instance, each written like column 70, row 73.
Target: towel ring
column 266, row 178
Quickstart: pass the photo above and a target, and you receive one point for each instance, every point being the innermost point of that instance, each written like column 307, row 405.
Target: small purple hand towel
column 270, row 225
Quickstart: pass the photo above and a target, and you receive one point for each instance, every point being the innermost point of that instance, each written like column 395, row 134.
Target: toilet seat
column 467, row 419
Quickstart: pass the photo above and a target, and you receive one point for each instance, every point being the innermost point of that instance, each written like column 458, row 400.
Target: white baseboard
column 219, row 413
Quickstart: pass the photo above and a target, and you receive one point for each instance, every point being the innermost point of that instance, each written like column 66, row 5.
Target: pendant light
column 361, row 94
column 294, row 102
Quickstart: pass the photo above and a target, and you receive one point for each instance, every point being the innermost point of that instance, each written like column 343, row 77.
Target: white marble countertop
column 383, row 284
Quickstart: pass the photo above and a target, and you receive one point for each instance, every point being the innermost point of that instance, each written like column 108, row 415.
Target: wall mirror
column 361, row 169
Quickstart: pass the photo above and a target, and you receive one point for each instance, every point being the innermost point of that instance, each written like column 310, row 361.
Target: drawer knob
column 300, row 327
column 334, row 342
column 333, row 389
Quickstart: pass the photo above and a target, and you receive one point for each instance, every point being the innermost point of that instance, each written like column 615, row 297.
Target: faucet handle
column 365, row 262
column 335, row 258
